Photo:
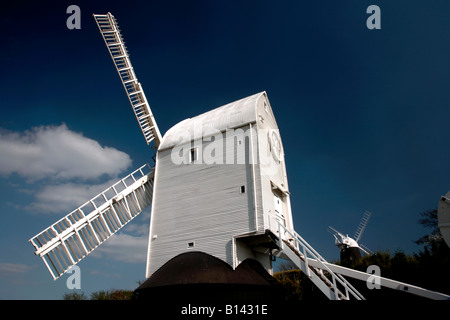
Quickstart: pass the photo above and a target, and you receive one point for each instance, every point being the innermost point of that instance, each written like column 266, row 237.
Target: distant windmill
column 218, row 186
column 350, row 248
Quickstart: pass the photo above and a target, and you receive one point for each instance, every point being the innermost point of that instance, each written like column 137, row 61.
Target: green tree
column 430, row 220
column 74, row 296
column 434, row 257
column 297, row 284
column 113, row 294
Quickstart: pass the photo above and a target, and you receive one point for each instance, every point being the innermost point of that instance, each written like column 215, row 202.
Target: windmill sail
column 110, row 31
column 365, row 249
column 362, row 226
column 335, row 232
column 70, row 239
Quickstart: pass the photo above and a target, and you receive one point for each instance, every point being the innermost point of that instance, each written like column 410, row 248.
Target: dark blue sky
column 363, row 114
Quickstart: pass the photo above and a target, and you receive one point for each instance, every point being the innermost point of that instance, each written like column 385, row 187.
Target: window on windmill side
column 193, row 155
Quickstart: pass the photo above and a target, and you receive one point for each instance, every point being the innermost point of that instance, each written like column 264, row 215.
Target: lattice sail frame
column 70, row 239
column 110, row 32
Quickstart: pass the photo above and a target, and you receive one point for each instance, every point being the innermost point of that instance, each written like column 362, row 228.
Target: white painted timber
column 110, row 32
column 216, row 178
column 73, row 237
column 362, row 226
column 199, row 204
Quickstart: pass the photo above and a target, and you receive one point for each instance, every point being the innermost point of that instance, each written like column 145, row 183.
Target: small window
column 193, row 155
column 242, row 189
column 191, row 245
column 265, row 107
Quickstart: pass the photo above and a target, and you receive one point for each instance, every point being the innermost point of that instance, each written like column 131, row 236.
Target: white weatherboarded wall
column 209, row 186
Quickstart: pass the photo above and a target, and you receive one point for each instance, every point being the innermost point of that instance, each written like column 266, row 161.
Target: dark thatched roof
column 197, row 275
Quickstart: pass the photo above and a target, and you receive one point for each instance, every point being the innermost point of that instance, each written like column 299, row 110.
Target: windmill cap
column 232, row 115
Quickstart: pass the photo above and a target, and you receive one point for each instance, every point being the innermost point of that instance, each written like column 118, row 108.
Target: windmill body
column 349, row 249
column 220, row 179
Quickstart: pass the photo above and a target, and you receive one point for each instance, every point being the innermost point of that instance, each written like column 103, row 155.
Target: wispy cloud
column 70, row 167
column 105, row 274
column 130, row 244
column 64, row 197
column 58, row 153
column 7, row 268
column 124, row 247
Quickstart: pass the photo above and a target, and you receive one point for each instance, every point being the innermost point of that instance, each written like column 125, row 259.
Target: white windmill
column 350, row 247
column 218, row 186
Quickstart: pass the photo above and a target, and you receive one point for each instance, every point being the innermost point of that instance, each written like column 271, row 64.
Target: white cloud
column 7, row 268
column 130, row 245
column 105, row 274
column 64, row 198
column 63, row 161
column 58, row 153
column 140, row 228
column 124, row 247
